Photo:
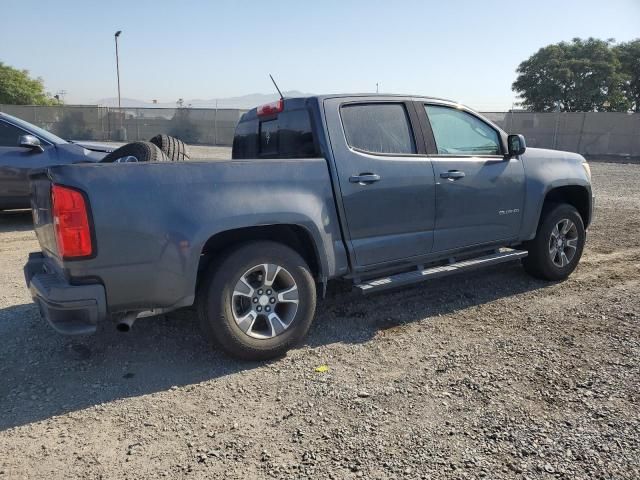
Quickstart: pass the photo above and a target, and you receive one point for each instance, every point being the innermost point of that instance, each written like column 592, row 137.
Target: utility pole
column 59, row 96
column 376, row 87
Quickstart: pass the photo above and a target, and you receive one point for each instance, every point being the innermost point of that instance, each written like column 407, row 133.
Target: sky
column 466, row 50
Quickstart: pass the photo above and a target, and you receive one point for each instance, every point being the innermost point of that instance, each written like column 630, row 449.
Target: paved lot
column 492, row 375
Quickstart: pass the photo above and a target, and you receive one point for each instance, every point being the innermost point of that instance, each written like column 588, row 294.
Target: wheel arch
column 576, row 195
column 296, row 237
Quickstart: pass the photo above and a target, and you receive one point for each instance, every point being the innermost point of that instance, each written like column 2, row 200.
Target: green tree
column 580, row 76
column 18, row 88
column 629, row 57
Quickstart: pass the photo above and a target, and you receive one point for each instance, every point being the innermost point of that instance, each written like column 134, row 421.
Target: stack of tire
column 161, row 148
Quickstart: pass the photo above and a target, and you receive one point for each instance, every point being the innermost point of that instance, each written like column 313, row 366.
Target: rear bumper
column 69, row 309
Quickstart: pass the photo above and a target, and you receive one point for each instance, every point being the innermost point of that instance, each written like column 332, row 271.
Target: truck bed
column 151, row 221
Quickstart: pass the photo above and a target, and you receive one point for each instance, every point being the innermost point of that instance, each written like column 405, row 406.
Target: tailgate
column 41, row 210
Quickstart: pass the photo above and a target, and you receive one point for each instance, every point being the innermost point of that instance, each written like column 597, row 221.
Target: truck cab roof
column 294, row 103
column 285, row 129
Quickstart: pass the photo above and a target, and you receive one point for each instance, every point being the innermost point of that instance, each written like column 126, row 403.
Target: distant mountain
column 126, row 102
column 243, row 102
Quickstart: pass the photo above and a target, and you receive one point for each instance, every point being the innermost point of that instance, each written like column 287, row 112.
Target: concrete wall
column 591, row 134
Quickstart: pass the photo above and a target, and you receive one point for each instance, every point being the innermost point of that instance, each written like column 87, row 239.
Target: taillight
column 271, row 108
column 71, row 222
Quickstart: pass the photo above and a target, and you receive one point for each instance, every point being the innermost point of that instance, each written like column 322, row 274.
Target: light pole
column 120, row 133
column 116, row 35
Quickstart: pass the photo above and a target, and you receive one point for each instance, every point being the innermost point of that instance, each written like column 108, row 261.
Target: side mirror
column 29, row 141
column 517, row 145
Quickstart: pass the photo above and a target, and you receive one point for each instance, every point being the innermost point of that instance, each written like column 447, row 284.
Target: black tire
column 216, row 305
column 173, row 147
column 539, row 263
column 141, row 151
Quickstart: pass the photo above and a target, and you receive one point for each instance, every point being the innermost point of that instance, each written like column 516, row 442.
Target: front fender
column 545, row 171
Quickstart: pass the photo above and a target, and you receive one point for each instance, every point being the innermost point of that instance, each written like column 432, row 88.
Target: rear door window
column 378, row 128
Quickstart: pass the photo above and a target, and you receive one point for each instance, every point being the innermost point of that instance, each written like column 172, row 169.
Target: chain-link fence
column 591, row 134
column 88, row 122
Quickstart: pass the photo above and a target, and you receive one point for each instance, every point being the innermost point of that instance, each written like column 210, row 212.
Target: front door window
column 459, row 133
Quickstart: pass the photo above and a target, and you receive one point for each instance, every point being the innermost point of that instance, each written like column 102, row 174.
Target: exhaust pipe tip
column 125, row 324
column 123, row 327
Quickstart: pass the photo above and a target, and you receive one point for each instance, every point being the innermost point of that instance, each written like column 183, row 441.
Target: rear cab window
column 379, row 128
column 269, row 142
column 288, row 134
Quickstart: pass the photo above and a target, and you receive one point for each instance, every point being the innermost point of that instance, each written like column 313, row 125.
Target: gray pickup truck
column 380, row 190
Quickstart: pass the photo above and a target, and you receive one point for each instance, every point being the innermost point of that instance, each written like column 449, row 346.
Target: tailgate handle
column 365, row 178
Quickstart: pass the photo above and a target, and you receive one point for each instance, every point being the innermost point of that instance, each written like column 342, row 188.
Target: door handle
column 365, row 178
column 452, row 174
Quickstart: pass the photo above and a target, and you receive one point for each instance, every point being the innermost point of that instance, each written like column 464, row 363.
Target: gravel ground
column 490, row 375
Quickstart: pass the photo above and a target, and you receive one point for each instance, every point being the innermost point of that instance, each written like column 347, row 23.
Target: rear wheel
column 258, row 302
column 173, row 147
column 136, row 152
column 556, row 250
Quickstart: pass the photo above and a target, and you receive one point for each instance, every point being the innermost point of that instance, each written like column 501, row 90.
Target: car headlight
column 587, row 169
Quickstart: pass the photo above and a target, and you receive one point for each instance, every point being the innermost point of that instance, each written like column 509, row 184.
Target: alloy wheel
column 563, row 243
column 264, row 301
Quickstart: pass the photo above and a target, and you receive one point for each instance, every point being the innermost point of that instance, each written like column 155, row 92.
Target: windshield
column 37, row 131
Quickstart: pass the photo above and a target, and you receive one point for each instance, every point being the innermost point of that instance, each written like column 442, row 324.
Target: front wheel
column 258, row 301
column 555, row 251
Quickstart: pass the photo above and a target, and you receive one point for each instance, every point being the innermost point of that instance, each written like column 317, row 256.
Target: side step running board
column 376, row 285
